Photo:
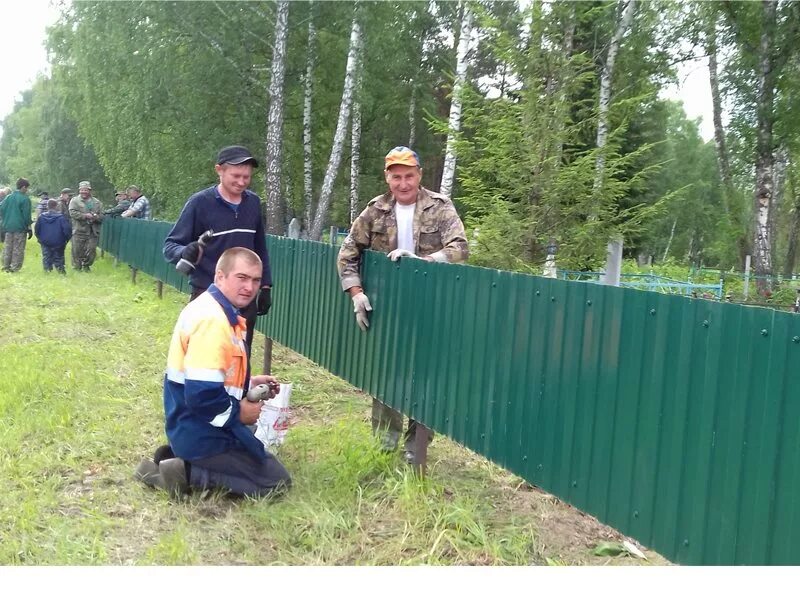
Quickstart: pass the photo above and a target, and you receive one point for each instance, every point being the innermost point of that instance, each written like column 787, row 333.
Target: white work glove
column 361, row 306
column 395, row 255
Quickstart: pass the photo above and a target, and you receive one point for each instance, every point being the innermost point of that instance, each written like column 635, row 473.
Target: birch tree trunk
column 355, row 150
column 778, row 186
column 454, row 124
column 412, row 116
column 794, row 230
column 308, row 184
column 626, row 8
column 337, row 147
column 276, row 203
column 669, row 241
column 762, row 240
column 723, row 161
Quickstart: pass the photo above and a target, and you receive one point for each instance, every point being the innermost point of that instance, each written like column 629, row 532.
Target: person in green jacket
column 3, row 193
column 16, row 215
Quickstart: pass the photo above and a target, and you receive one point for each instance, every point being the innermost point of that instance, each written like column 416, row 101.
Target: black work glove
column 263, row 301
column 191, row 252
column 30, row 233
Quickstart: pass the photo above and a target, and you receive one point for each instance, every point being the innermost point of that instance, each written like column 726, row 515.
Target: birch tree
column 794, row 227
column 355, row 151
column 454, row 123
column 337, row 147
column 625, row 10
column 762, row 240
column 729, row 193
column 276, row 203
column 308, row 94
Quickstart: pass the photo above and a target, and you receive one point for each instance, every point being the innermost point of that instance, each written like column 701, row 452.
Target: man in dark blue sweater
column 233, row 213
column 53, row 230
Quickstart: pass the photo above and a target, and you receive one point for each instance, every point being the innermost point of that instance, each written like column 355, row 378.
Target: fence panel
column 672, row 419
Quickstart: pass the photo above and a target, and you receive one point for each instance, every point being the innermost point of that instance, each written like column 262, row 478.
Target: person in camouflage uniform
column 63, row 201
column 407, row 221
column 123, row 204
column 86, row 213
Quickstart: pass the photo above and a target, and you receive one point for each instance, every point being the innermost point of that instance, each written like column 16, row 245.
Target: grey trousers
column 14, row 250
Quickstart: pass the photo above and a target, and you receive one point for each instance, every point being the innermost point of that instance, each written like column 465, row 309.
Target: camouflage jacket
column 437, row 226
column 85, row 216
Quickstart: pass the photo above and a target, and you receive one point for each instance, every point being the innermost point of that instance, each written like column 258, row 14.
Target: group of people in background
column 57, row 221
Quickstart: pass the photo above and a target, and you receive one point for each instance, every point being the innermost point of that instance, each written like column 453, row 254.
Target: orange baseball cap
column 401, row 155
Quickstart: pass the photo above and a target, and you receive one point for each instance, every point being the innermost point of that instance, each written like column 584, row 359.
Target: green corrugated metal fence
column 674, row 420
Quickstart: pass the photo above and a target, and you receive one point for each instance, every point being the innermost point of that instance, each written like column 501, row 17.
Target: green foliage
column 146, row 93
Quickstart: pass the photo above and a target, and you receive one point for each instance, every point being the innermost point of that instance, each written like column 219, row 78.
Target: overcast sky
column 24, row 56
column 24, row 23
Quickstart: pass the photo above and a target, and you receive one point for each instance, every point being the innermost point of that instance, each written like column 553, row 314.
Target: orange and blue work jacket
column 205, row 380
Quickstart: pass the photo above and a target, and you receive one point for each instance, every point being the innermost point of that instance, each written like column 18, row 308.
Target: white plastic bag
column 273, row 422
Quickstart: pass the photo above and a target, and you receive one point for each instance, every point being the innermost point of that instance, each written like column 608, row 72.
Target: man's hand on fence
column 395, row 255
column 361, row 306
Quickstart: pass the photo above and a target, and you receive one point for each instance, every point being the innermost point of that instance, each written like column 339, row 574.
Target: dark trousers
column 240, row 473
column 249, row 312
column 53, row 256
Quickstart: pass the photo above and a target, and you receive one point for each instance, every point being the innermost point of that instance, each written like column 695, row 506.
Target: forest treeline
column 543, row 120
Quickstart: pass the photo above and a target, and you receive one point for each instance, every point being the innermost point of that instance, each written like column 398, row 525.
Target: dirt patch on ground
column 570, row 535
column 564, row 534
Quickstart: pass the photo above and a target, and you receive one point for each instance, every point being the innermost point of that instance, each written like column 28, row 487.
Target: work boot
column 173, row 472
column 147, row 472
column 163, row 453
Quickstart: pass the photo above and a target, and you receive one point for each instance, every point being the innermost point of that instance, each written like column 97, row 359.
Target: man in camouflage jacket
column 407, row 221
column 86, row 213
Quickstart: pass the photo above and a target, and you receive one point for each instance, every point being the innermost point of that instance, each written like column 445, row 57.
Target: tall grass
column 81, row 363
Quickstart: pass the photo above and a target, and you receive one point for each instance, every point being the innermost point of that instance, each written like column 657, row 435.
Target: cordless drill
column 262, row 392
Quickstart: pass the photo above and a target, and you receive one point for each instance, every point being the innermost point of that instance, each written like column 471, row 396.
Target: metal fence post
column 613, row 263
column 746, row 276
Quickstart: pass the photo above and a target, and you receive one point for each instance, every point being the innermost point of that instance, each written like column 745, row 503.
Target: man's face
column 85, row 193
column 133, row 194
column 241, row 285
column 404, row 182
column 234, row 179
column 64, row 196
